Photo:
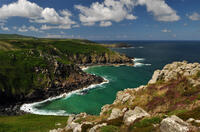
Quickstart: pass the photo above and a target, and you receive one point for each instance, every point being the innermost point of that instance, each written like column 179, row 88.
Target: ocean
column 149, row 56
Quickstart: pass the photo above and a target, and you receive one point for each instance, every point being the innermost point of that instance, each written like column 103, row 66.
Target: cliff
column 170, row 102
column 36, row 69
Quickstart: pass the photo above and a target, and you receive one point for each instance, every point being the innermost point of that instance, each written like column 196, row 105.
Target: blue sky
column 102, row 19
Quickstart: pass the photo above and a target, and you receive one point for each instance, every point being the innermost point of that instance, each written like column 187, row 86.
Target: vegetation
column 13, row 36
column 109, row 128
column 31, row 123
column 19, row 58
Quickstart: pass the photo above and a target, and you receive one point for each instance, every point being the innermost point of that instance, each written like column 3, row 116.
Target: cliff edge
column 170, row 102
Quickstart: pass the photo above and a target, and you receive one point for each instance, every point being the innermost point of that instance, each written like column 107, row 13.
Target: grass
column 20, row 57
column 109, row 128
column 31, row 123
column 145, row 125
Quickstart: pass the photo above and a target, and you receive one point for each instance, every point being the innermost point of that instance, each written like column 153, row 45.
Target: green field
column 31, row 123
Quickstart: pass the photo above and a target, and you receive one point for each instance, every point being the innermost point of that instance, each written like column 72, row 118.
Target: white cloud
column 35, row 13
column 118, row 10
column 5, row 28
column 160, row 10
column 24, row 28
column 46, row 27
column 2, row 27
column 166, row 31
column 58, row 36
column 195, row 16
column 32, row 28
column 109, row 10
column 105, row 24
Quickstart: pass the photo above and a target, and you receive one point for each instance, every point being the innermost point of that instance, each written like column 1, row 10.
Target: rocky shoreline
column 168, row 103
column 82, row 80
column 79, row 80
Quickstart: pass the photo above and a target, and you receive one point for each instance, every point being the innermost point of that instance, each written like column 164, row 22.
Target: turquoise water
column 154, row 56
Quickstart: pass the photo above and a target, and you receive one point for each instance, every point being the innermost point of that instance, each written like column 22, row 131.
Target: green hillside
column 30, row 65
column 13, row 36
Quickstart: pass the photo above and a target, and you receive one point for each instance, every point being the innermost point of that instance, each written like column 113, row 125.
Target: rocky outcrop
column 55, row 80
column 174, row 89
column 175, row 70
column 95, row 128
column 105, row 58
column 116, row 113
column 132, row 115
column 174, row 124
column 123, row 97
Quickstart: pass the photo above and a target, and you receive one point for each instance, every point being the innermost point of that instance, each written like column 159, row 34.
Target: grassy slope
column 30, row 123
column 175, row 97
column 19, row 57
column 13, row 36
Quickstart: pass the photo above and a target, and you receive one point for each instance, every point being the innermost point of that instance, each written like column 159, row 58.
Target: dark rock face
column 105, row 58
column 66, row 78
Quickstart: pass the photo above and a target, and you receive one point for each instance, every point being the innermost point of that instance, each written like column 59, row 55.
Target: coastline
column 24, row 107
column 30, row 107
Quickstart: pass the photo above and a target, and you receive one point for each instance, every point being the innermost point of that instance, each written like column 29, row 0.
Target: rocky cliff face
column 56, row 79
column 169, row 103
column 104, row 58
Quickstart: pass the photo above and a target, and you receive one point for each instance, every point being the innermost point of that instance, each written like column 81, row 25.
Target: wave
column 138, row 59
column 31, row 108
column 138, row 62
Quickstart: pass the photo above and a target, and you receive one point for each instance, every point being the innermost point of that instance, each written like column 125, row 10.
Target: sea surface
column 149, row 56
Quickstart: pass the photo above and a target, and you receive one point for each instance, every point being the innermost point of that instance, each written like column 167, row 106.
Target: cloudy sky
column 102, row 19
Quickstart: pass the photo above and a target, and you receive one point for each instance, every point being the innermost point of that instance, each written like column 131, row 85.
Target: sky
column 102, row 19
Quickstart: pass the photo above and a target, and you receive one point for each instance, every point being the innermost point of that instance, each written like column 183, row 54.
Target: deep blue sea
column 150, row 55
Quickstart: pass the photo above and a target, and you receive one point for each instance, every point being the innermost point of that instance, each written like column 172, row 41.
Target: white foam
column 84, row 68
column 138, row 62
column 31, row 108
column 138, row 59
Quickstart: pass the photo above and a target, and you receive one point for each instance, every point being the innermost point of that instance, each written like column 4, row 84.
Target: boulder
column 155, row 77
column 95, row 128
column 132, row 115
column 123, row 97
column 116, row 113
column 104, row 109
column 75, row 127
column 174, row 124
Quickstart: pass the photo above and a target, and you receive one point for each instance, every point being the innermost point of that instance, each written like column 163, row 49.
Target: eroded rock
column 116, row 113
column 174, row 124
column 132, row 115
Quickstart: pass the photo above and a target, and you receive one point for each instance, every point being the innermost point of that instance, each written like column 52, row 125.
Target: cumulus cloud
column 118, row 10
column 2, row 27
column 195, row 16
column 105, row 24
column 160, row 10
column 5, row 28
column 166, row 31
column 58, row 36
column 46, row 27
column 109, row 10
column 25, row 28
column 35, row 13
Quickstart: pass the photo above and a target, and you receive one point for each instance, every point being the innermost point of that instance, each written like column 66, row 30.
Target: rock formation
column 169, row 103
